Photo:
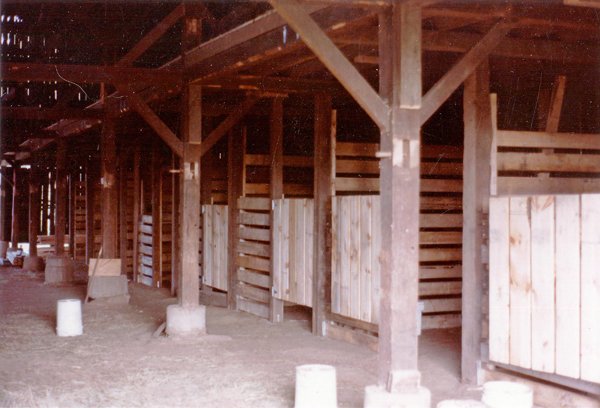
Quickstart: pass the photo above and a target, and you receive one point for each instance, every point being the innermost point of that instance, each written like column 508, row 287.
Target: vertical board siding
column 590, row 287
column 293, row 250
column 545, row 283
column 214, row 246
column 355, row 263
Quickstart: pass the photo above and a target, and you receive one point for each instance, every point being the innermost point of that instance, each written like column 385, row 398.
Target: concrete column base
column 3, row 248
column 59, row 269
column 33, row 263
column 379, row 397
column 186, row 320
column 108, row 286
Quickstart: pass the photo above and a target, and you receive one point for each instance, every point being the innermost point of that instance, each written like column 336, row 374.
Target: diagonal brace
column 336, row 62
column 442, row 90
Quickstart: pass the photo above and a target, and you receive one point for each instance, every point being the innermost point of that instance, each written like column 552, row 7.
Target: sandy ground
column 244, row 362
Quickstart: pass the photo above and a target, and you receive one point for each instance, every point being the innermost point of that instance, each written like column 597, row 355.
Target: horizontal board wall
column 545, row 283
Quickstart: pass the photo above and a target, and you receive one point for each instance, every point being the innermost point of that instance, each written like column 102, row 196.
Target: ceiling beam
column 35, row 113
column 336, row 62
column 152, row 36
column 22, row 72
column 443, row 88
column 229, row 122
column 155, row 122
column 272, row 84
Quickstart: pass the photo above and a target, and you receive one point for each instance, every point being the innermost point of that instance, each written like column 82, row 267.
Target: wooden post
column 61, row 197
column 123, row 240
column 175, row 273
column 323, row 134
column 400, row 85
column 235, row 171
column 157, row 218
column 136, row 209
column 276, row 192
column 72, row 193
column 4, row 235
column 34, row 208
column 189, row 201
column 110, row 198
column 476, row 192
column 52, row 201
column 16, row 199
column 90, row 185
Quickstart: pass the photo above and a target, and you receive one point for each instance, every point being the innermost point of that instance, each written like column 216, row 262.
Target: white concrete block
column 186, row 321
column 378, row 397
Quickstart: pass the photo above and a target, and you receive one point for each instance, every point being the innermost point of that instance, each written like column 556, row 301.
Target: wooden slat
column 520, row 282
column 441, row 305
column 590, row 287
column 440, row 220
column 499, row 313
column 568, row 241
column 350, row 149
column 441, row 237
column 443, row 321
column 547, row 185
column 548, row 140
column 256, row 234
column 254, row 248
column 440, row 272
column 439, row 288
column 357, row 166
column 254, row 203
column 356, row 184
column 441, row 185
column 542, row 283
column 440, row 254
column 254, row 293
column 248, row 218
column 251, row 262
column 542, row 162
column 365, row 253
column 253, row 278
column 257, row 309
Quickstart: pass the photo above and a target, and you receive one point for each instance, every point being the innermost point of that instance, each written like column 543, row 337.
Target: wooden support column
column 175, row 264
column 235, row 170
column 90, row 185
column 324, row 132
column 110, row 197
column 16, row 199
column 136, row 209
column 400, row 83
column 276, row 191
column 157, row 219
column 34, row 207
column 72, row 192
column 4, row 184
column 476, row 192
column 189, row 200
column 61, row 197
column 123, row 240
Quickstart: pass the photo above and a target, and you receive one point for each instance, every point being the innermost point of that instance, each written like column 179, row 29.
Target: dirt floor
column 243, row 362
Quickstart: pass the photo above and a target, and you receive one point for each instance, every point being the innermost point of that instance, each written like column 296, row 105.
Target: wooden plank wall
column 79, row 221
column 545, row 283
column 167, row 221
column 357, row 173
column 293, row 223
column 214, row 241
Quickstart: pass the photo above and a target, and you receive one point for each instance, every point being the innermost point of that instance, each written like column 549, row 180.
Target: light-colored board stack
column 355, row 269
column 546, row 163
column 253, row 252
column 292, row 250
column 145, row 250
column 79, row 221
column 214, row 243
column 545, row 283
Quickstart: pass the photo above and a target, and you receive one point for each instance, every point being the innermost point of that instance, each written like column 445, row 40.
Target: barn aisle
column 245, row 361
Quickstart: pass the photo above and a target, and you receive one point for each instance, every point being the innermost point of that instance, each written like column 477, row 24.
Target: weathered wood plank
column 253, row 278
column 542, row 162
column 548, row 140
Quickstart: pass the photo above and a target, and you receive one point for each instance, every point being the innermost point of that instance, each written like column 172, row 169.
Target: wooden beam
column 16, row 202
column 275, row 193
column 34, row 207
column 228, row 124
column 35, row 72
column 109, row 193
column 442, row 90
column 90, row 185
column 61, row 197
column 314, row 37
column 123, row 227
column 235, row 180
column 142, row 108
column 272, row 84
column 137, row 156
column 476, row 192
column 152, row 36
column 35, row 113
column 189, row 200
column 324, row 139
column 157, row 218
column 557, row 99
column 400, row 50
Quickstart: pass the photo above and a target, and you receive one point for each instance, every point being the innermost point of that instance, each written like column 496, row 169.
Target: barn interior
column 404, row 190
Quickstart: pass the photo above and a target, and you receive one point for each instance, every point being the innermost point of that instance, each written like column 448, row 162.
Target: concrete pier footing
column 379, row 397
column 186, row 320
column 33, row 263
column 59, row 269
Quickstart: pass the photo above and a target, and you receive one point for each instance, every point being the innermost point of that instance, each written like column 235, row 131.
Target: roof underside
column 245, row 47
